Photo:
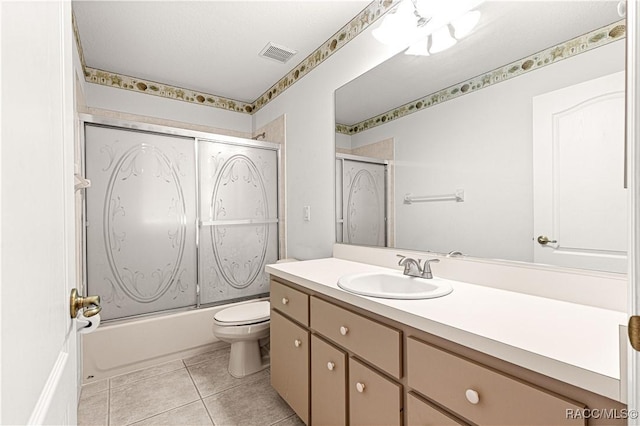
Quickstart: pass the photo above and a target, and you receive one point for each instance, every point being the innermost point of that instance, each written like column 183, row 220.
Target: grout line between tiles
column 146, row 377
column 208, row 413
column 109, row 404
column 194, row 382
column 231, row 387
column 163, row 412
column 208, row 359
column 283, row 419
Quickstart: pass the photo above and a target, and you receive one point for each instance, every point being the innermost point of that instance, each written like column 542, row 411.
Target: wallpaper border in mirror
column 551, row 55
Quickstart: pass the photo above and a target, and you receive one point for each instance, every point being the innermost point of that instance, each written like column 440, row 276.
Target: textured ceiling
column 207, row 46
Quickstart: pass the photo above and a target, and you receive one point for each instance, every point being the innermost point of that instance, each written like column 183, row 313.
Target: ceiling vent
column 277, row 53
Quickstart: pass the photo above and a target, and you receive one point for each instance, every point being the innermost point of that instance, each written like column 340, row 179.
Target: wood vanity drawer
column 293, row 303
column 373, row 399
column 420, row 412
column 377, row 343
column 447, row 379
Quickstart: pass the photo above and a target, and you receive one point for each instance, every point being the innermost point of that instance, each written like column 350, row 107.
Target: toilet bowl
column 243, row 326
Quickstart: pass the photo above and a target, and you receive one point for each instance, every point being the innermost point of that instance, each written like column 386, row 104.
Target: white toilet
column 243, row 326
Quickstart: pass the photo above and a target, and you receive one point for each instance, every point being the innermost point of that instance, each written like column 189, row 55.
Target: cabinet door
column 290, row 363
column 328, row 383
column 420, row 412
column 373, row 399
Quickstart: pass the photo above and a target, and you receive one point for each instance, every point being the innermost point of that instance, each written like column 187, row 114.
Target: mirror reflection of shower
column 362, row 215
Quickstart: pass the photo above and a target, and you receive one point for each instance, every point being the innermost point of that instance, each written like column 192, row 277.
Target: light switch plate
column 307, row 213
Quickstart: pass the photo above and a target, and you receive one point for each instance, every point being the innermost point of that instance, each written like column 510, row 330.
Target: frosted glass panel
column 141, row 216
column 239, row 214
column 363, row 203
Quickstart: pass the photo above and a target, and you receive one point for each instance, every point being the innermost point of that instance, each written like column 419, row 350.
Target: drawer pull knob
column 285, row 300
column 360, row 387
column 472, row 396
column 297, row 343
column 331, row 366
column 344, row 330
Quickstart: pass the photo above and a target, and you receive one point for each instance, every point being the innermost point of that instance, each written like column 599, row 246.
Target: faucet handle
column 426, row 270
column 404, row 259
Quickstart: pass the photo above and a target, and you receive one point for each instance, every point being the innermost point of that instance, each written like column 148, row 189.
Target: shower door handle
column 90, row 304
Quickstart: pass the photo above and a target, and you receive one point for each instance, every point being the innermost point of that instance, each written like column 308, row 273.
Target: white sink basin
column 390, row 285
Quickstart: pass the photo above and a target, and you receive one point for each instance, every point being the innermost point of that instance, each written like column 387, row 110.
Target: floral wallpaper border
column 576, row 46
column 368, row 16
column 364, row 19
column 76, row 34
column 120, row 81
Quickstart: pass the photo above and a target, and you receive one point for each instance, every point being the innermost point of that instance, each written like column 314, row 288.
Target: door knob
column 544, row 240
column 90, row 304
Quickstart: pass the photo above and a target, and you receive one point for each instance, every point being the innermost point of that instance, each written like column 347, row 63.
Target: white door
column 38, row 365
column 633, row 151
column 580, row 204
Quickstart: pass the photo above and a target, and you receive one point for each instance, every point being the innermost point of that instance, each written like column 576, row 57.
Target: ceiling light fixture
column 465, row 24
column 441, row 39
column 401, row 26
column 426, row 26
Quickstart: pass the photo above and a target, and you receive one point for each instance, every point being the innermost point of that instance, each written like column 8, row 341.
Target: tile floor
column 191, row 391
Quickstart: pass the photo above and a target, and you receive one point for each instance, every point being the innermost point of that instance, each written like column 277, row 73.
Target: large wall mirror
column 507, row 145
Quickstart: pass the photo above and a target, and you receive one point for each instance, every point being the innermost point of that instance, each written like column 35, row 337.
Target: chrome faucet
column 412, row 267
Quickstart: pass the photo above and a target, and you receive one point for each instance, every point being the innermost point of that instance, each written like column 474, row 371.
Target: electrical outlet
column 307, row 213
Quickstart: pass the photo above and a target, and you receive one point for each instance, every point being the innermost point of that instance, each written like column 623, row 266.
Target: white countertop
column 574, row 343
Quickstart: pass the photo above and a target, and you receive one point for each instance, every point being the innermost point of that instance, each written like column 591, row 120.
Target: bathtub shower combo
column 177, row 219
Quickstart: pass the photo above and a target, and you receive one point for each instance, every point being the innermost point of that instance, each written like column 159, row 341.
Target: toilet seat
column 244, row 314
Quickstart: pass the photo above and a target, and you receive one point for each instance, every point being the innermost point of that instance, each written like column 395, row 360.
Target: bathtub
column 124, row 346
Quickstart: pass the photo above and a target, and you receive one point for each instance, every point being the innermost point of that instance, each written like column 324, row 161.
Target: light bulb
column 398, row 28
column 441, row 40
column 465, row 24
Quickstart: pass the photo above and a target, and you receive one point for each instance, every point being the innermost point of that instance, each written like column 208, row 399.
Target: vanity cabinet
column 352, row 366
column 290, row 347
column 482, row 395
column 370, row 340
column 373, row 398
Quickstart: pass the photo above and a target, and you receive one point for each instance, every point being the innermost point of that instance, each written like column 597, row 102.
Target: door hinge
column 634, row 332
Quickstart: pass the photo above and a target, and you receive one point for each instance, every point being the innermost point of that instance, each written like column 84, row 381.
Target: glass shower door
column 238, row 208
column 362, row 186
column 141, row 217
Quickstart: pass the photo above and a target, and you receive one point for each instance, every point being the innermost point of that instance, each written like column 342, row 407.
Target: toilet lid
column 247, row 313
